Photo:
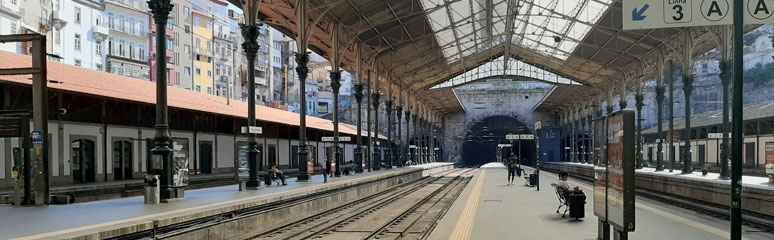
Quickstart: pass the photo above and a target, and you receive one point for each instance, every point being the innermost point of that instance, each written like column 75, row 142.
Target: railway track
column 759, row 221
column 408, row 212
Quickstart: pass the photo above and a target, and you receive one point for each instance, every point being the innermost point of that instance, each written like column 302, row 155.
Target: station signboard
column 600, row 170
column 646, row 14
column 620, row 170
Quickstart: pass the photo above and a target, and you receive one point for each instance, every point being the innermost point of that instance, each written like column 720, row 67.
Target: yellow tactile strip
column 464, row 226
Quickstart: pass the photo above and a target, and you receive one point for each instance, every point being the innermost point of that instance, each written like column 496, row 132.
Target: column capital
column 160, row 10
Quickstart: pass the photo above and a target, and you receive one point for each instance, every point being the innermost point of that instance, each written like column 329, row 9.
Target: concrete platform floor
column 26, row 221
column 491, row 209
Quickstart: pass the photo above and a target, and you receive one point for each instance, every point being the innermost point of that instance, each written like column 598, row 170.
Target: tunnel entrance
column 481, row 141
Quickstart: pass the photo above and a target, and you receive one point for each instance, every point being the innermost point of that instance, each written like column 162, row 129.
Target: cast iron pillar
column 725, row 78
column 622, row 104
column 407, row 152
column 390, row 147
column 660, row 153
column 416, row 139
column 377, row 150
column 368, row 155
column 250, row 46
column 161, row 154
column 609, row 108
column 671, row 117
column 336, row 85
column 572, row 139
column 399, row 154
column 687, row 90
column 359, row 147
column 638, row 104
column 302, row 70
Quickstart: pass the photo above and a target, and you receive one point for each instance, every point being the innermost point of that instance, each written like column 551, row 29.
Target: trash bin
column 533, row 179
column 152, row 195
column 577, row 205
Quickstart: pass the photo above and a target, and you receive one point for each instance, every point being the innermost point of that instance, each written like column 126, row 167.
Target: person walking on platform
column 511, row 164
column 325, row 168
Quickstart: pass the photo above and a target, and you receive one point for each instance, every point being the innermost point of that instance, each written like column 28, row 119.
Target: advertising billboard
column 600, row 169
column 180, row 162
column 620, row 170
column 770, row 158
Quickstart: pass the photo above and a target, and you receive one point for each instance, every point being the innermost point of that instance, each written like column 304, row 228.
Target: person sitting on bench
column 564, row 184
column 278, row 174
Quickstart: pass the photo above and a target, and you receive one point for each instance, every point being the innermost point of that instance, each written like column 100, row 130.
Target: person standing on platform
column 511, row 164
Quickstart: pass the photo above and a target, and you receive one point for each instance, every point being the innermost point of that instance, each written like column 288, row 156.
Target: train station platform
column 491, row 209
column 109, row 218
column 757, row 192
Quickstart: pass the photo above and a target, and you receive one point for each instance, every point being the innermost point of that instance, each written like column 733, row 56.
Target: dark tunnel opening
column 481, row 141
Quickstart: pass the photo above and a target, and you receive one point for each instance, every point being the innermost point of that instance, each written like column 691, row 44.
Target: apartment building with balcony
column 80, row 33
column 182, row 30
column 11, row 12
column 36, row 18
column 128, row 43
column 203, row 53
column 170, row 58
column 223, row 51
column 239, row 61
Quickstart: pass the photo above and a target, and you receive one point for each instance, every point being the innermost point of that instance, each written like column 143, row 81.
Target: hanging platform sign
column 252, row 130
column 502, row 145
column 331, row 139
column 646, row 14
column 527, row 136
column 512, row 137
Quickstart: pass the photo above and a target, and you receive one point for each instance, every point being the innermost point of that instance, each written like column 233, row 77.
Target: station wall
column 67, row 139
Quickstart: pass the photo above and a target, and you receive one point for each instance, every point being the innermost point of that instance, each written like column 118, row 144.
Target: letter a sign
column 645, row 14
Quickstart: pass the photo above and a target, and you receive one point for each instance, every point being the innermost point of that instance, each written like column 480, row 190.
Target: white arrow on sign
column 645, row 14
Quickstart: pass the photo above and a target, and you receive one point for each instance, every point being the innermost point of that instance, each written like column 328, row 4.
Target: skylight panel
column 438, row 19
column 495, row 68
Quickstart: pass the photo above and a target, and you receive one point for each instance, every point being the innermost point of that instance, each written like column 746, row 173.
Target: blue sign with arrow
column 639, row 15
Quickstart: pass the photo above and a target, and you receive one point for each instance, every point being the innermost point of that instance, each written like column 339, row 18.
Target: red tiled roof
column 86, row 81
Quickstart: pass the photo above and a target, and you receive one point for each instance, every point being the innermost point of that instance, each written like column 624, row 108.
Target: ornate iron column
column 161, row 154
column 660, row 153
column 250, row 46
column 638, row 103
column 416, row 141
column 368, row 124
column 399, row 154
column 671, row 117
column 336, row 85
column 389, row 132
column 725, row 78
column 377, row 150
column 407, row 153
column 687, row 90
column 301, row 60
column 359, row 148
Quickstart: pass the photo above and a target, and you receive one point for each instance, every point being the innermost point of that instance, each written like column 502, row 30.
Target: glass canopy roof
column 548, row 27
column 515, row 68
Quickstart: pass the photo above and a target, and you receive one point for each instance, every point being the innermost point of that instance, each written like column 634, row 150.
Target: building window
column 99, row 66
column 187, row 29
column 142, row 52
column 77, row 15
column 187, row 48
column 142, row 29
column 131, row 26
column 187, row 71
column 209, row 90
column 209, row 25
column 77, row 62
column 77, row 42
column 209, row 73
column 121, row 23
column 170, row 45
column 186, row 11
column 198, row 88
column 98, row 48
column 170, row 23
column 198, row 21
column 198, row 72
column 111, row 21
column 57, row 37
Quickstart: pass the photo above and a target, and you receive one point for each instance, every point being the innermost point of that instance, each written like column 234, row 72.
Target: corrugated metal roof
column 86, row 81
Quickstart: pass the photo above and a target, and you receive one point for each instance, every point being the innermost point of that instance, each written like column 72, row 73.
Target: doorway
column 749, row 155
column 122, row 160
column 205, row 157
column 83, row 165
